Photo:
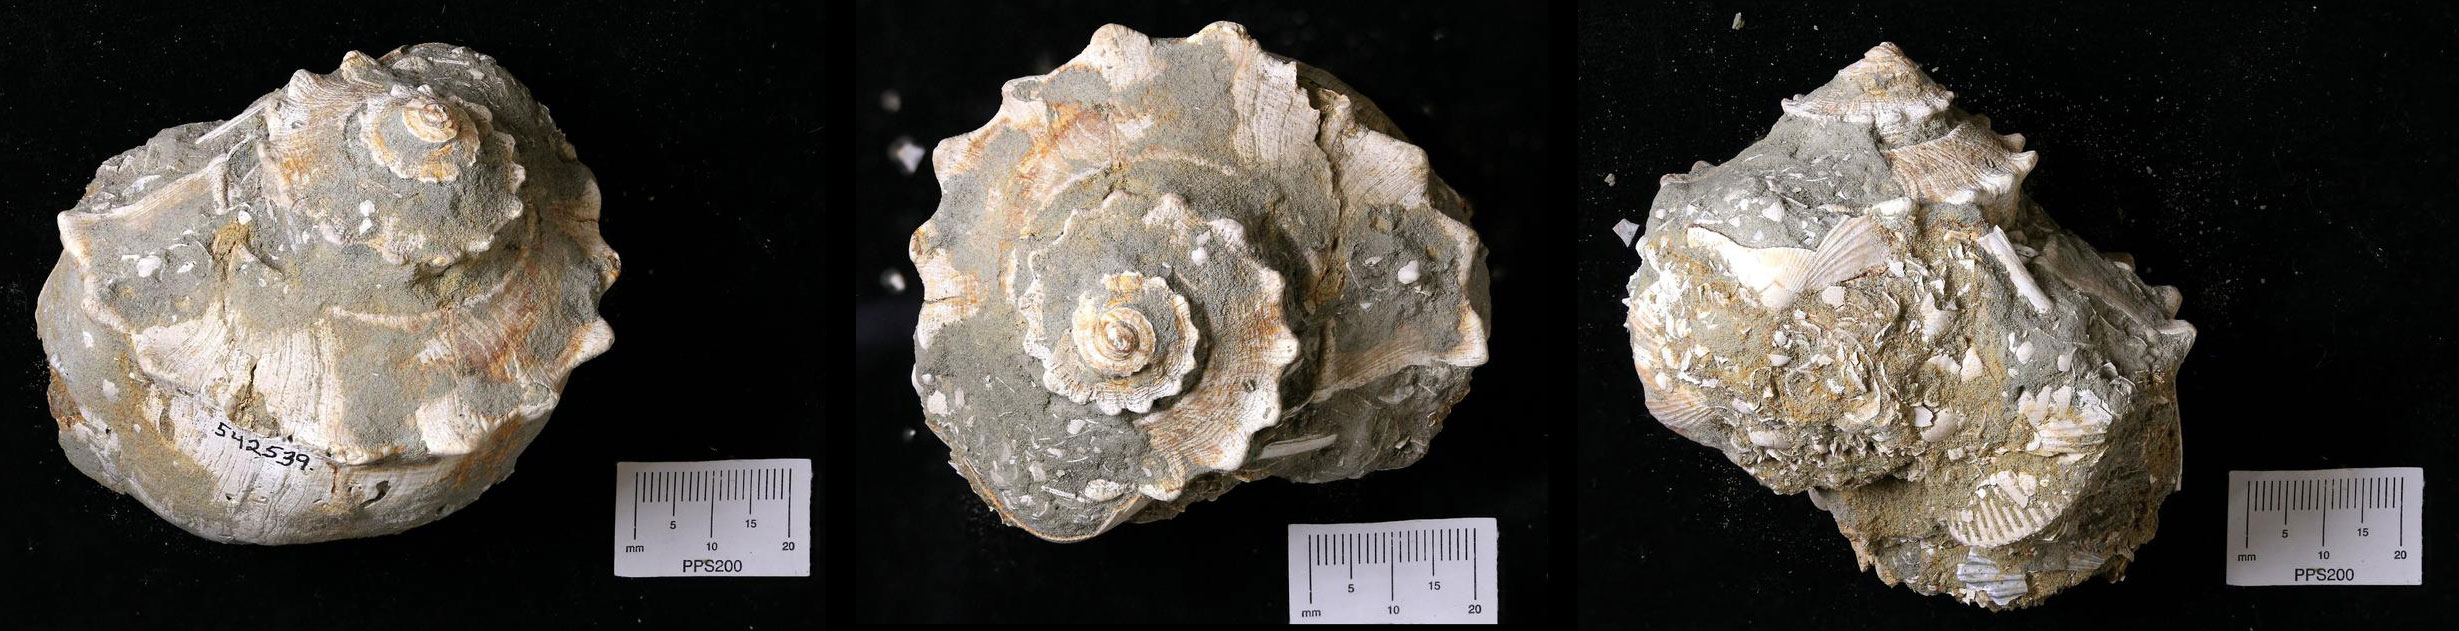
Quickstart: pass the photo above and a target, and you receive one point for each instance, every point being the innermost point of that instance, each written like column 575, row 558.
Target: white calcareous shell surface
column 1864, row 306
column 342, row 313
column 1171, row 265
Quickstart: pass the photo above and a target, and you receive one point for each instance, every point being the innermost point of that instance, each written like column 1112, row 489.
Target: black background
column 1468, row 82
column 2289, row 168
column 703, row 128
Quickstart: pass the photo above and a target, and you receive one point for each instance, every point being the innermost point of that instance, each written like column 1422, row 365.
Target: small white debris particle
column 890, row 101
column 1737, row 21
column 1609, row 179
column 1199, row 256
column 367, row 207
column 243, row 217
column 1100, row 490
column 893, row 280
column 1408, row 273
column 907, row 154
column 1626, row 230
column 89, row 339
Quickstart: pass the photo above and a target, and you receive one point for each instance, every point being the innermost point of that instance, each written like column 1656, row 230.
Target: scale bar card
column 2327, row 527
column 713, row 518
column 1433, row 571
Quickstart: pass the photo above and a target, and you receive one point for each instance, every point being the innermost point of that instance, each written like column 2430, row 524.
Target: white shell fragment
column 1626, row 231
column 343, row 313
column 1985, row 403
column 1172, row 265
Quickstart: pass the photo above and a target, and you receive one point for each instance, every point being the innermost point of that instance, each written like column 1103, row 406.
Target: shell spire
column 1938, row 153
column 1885, row 89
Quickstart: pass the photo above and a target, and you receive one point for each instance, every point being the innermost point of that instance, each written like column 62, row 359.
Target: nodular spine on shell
column 1864, row 306
column 1171, row 265
column 342, row 313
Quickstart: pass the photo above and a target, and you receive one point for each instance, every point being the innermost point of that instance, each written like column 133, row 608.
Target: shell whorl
column 1967, row 165
column 1240, row 300
column 418, row 136
column 1115, row 342
column 1099, row 352
column 431, row 121
column 1884, row 89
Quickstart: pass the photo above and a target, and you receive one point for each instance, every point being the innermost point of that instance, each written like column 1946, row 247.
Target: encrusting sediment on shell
column 1171, row 265
column 1864, row 306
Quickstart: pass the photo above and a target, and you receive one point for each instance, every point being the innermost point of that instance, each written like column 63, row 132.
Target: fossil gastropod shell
column 342, row 313
column 1865, row 307
column 1171, row 265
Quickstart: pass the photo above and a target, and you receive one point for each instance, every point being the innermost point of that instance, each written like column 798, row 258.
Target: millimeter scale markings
column 2326, row 527
column 1419, row 571
column 749, row 486
column 713, row 518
